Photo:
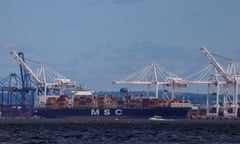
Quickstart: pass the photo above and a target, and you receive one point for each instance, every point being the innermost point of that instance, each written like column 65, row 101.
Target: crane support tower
column 14, row 99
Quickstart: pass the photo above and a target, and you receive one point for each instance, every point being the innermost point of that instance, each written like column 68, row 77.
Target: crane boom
column 138, row 82
column 25, row 67
column 216, row 64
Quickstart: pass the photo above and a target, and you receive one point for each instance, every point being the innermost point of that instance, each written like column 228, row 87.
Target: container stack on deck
column 109, row 101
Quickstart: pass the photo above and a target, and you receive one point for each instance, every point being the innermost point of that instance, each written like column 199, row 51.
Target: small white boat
column 159, row 118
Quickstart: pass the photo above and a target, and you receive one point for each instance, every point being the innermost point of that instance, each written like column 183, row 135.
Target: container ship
column 124, row 106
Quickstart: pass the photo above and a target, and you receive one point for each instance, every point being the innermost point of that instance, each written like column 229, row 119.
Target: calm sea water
column 119, row 132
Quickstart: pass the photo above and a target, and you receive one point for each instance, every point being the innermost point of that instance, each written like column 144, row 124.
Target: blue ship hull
column 99, row 113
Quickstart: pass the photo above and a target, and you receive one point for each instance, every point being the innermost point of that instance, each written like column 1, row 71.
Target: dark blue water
column 121, row 131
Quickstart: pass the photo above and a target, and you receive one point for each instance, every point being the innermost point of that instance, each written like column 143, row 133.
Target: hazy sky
column 94, row 42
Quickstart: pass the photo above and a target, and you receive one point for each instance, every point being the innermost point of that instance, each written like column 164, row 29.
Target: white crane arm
column 215, row 63
column 132, row 82
column 25, row 66
column 140, row 82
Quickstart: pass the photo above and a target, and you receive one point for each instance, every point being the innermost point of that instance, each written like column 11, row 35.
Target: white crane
column 229, row 80
column 153, row 75
column 26, row 68
column 43, row 86
column 216, row 64
column 52, row 77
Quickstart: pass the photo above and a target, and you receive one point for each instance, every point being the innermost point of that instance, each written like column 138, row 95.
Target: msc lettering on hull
column 106, row 112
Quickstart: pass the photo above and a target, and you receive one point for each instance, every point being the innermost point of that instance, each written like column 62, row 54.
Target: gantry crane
column 209, row 76
column 27, row 89
column 43, row 87
column 229, row 80
column 16, row 97
column 153, row 75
